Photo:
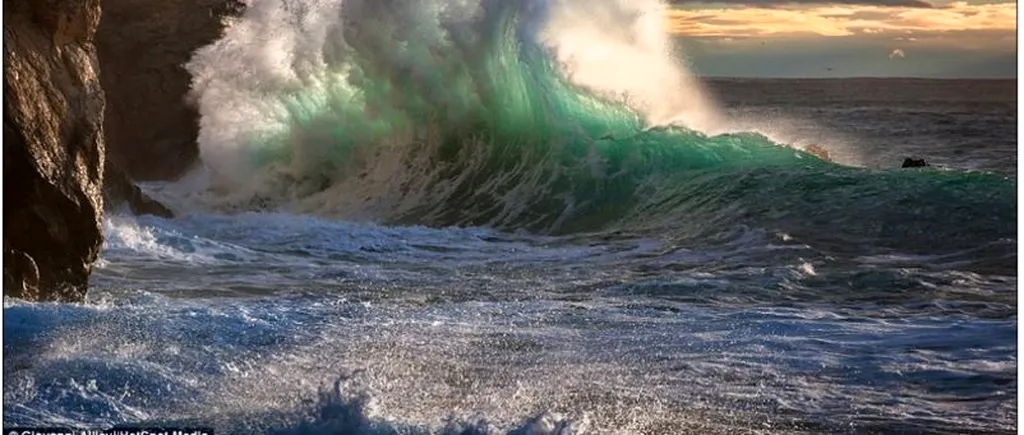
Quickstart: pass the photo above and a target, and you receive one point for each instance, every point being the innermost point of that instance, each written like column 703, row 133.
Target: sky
column 847, row 38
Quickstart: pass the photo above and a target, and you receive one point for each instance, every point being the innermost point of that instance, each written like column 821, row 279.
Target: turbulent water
column 527, row 217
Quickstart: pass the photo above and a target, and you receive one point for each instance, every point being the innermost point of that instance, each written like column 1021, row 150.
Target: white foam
column 807, row 269
column 623, row 48
column 126, row 234
column 281, row 58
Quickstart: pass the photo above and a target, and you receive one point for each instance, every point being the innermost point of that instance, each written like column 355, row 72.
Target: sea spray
column 546, row 116
column 301, row 96
column 623, row 50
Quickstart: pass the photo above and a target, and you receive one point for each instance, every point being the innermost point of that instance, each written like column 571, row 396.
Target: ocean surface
column 512, row 217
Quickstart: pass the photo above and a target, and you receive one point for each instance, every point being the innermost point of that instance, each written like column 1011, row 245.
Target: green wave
column 498, row 136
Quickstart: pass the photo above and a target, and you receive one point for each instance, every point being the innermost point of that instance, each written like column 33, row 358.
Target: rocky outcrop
column 151, row 129
column 53, row 148
column 119, row 189
column 910, row 162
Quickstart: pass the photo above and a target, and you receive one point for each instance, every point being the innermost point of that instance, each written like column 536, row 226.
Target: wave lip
column 550, row 116
column 381, row 109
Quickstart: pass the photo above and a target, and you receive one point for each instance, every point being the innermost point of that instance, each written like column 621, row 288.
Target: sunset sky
column 807, row 38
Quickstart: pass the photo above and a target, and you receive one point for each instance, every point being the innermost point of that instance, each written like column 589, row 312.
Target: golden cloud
column 842, row 20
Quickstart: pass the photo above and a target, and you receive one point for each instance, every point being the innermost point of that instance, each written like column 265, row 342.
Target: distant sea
column 877, row 122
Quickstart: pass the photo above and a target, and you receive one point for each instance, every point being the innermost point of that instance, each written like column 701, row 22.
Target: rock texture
column 143, row 46
column 119, row 189
column 53, row 148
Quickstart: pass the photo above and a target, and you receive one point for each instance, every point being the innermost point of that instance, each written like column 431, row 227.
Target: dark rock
column 151, row 129
column 119, row 189
column 53, row 148
column 914, row 163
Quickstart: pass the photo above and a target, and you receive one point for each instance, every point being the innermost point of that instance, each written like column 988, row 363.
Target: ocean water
column 526, row 217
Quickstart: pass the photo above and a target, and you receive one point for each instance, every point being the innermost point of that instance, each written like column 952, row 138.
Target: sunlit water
column 237, row 321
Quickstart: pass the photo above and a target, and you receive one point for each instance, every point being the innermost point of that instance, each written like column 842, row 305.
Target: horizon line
column 719, row 77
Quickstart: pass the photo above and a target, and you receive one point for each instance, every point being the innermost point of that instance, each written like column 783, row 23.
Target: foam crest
column 538, row 115
column 158, row 241
column 408, row 103
column 127, row 236
column 623, row 49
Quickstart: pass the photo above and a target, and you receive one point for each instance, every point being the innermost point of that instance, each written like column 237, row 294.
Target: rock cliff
column 143, row 46
column 53, row 148
column 119, row 189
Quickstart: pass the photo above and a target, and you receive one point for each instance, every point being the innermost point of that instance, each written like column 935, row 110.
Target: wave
column 414, row 103
column 552, row 116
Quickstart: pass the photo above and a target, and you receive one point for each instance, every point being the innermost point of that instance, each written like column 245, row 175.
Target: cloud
column 897, row 53
column 771, row 3
column 843, row 20
column 853, row 58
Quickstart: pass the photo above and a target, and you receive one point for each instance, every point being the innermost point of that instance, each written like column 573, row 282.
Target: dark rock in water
column 53, row 148
column 151, row 128
column 914, row 163
column 118, row 189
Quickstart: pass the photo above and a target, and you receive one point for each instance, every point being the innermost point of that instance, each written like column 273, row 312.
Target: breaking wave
column 551, row 116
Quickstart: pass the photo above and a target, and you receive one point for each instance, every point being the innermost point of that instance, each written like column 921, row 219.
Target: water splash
column 298, row 97
column 550, row 116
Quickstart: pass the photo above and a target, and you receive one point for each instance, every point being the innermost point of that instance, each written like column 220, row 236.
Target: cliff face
column 53, row 148
column 143, row 46
column 118, row 189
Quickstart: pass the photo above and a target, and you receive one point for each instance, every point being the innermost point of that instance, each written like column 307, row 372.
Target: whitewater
column 526, row 217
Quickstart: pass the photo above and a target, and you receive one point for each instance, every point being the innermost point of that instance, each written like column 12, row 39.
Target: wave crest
column 386, row 109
